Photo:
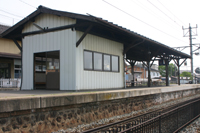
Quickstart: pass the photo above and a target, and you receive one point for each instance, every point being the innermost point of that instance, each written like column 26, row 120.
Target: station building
column 68, row 51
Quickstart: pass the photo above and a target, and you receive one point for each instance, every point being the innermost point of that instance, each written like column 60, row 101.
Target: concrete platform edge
column 44, row 101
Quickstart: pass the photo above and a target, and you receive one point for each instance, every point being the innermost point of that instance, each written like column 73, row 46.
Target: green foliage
column 186, row 74
column 162, row 70
column 171, row 68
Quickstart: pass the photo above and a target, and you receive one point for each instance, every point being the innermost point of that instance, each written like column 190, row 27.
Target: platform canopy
column 136, row 47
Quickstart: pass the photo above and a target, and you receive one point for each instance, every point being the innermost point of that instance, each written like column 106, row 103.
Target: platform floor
column 10, row 93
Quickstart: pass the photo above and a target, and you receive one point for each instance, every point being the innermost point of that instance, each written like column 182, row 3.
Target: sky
column 160, row 20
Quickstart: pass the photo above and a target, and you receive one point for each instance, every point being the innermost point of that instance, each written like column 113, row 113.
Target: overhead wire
column 142, row 21
column 157, row 16
column 8, row 16
column 162, row 12
column 171, row 12
column 28, row 4
column 13, row 19
column 10, row 13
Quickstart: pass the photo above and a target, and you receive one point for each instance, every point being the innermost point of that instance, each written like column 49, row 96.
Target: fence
column 167, row 122
column 10, row 83
column 145, row 83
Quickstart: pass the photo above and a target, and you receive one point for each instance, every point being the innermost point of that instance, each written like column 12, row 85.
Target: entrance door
column 47, row 70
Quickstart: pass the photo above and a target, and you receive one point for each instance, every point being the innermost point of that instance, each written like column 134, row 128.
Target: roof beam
column 17, row 44
column 39, row 27
column 183, row 61
column 132, row 45
column 48, row 30
column 84, row 35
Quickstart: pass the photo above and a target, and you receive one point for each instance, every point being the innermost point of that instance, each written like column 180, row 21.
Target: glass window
column 106, row 62
column 17, row 73
column 5, row 70
column 50, row 64
column 97, row 61
column 88, row 60
column 100, row 61
column 115, row 63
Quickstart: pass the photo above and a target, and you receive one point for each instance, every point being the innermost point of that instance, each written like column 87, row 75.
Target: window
column 97, row 61
column 88, row 60
column 115, row 63
column 5, row 71
column 100, row 61
column 17, row 69
column 106, row 62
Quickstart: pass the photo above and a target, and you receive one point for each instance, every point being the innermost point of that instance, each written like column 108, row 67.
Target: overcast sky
column 160, row 20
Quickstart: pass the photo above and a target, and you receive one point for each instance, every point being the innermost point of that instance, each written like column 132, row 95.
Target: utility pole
column 190, row 39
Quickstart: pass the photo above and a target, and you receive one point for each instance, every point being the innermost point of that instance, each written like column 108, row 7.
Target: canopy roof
column 136, row 47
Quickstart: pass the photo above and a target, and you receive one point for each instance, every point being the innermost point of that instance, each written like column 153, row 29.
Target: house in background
column 68, row 51
column 141, row 72
column 10, row 57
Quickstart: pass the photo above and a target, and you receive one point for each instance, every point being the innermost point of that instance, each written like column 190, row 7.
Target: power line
column 28, row 4
column 145, row 8
column 8, row 16
column 11, row 13
column 162, row 12
column 170, row 12
column 142, row 21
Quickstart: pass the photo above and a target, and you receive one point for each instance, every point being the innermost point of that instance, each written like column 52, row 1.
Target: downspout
column 124, row 56
column 21, row 64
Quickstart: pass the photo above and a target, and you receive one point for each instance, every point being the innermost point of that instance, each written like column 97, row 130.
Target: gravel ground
column 194, row 127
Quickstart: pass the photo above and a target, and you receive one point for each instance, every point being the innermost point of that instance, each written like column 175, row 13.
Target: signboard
column 162, row 62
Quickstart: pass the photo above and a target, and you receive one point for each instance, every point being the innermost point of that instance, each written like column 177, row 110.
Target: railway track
column 187, row 124
column 154, row 121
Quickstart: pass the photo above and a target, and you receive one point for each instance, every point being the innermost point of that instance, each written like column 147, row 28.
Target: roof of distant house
column 3, row 28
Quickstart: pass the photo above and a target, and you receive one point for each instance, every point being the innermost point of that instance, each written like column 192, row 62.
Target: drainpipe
column 124, row 56
column 21, row 64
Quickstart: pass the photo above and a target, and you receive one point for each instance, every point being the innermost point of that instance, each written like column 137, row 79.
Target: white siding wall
column 96, row 79
column 64, row 40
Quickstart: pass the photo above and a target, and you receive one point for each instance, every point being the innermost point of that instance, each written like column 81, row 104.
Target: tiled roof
column 3, row 28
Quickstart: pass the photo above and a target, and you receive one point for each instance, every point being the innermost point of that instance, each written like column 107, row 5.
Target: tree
column 172, row 69
column 186, row 74
column 162, row 70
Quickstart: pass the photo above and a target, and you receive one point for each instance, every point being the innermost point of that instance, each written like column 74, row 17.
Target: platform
column 22, row 100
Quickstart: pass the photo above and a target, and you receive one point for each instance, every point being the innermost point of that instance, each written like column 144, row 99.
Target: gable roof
column 3, row 28
column 136, row 46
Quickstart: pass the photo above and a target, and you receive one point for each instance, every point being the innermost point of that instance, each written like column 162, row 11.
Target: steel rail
column 186, row 124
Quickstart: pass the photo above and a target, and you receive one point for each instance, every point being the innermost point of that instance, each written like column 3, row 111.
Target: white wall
column 156, row 74
column 64, row 40
column 97, row 79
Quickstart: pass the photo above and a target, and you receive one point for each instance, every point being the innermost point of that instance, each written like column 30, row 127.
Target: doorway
column 47, row 70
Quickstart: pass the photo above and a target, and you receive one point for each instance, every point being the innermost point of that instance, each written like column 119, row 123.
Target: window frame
column 84, row 61
column 117, row 63
column 102, row 70
column 110, row 63
column 101, row 61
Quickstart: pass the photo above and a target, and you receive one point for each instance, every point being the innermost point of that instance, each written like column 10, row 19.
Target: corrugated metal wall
column 64, row 40
column 96, row 79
